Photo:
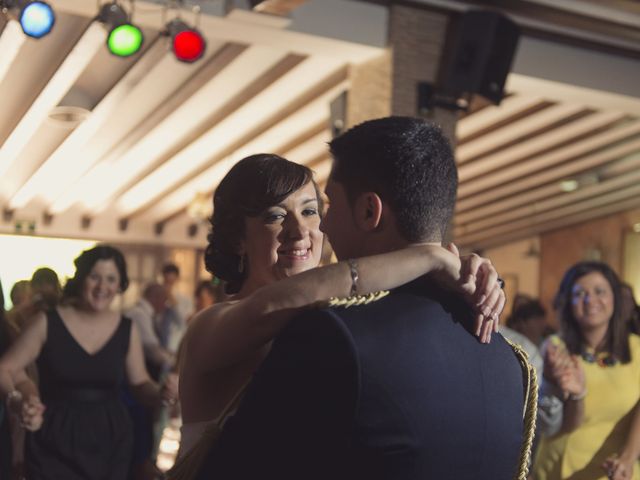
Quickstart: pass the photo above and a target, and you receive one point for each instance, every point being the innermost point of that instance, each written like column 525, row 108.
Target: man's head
column 156, row 295
column 21, row 293
column 45, row 287
column 170, row 275
column 393, row 182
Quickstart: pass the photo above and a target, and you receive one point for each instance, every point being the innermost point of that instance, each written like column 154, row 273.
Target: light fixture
column 636, row 227
column 569, row 185
column 187, row 43
column 36, row 18
column 124, row 39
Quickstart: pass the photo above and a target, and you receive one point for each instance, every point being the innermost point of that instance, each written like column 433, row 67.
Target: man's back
column 396, row 389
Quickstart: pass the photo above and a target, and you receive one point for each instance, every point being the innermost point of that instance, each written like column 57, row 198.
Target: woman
column 5, row 435
column 265, row 234
column 591, row 387
column 83, row 351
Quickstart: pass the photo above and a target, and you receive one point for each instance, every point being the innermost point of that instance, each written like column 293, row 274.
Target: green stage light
column 124, row 40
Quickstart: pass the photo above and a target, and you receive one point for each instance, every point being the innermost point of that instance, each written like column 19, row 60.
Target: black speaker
column 479, row 51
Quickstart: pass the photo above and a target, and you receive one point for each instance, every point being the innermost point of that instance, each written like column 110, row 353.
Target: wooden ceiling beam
column 538, row 229
column 278, row 7
column 550, row 204
column 543, row 143
column 571, row 160
column 516, row 130
column 556, row 214
column 620, row 167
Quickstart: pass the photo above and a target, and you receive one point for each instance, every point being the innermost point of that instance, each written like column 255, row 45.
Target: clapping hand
column 619, row 467
column 564, row 370
column 32, row 413
column 169, row 389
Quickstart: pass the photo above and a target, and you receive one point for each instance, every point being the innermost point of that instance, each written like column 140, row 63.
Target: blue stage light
column 37, row 19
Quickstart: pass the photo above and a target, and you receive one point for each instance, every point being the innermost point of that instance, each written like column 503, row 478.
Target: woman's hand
column 619, row 468
column 477, row 280
column 169, row 389
column 31, row 413
column 564, row 370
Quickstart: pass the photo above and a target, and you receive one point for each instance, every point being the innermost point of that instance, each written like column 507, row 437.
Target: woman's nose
column 296, row 228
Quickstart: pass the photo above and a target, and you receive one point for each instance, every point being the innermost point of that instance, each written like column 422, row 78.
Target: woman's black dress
column 87, row 432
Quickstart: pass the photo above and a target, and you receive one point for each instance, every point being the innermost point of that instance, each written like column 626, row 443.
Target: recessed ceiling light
column 569, row 185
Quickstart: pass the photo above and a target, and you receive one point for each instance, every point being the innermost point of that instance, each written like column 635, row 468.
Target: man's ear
column 368, row 211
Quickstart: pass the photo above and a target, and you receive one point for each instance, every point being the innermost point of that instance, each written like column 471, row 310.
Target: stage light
column 124, row 39
column 187, row 43
column 37, row 19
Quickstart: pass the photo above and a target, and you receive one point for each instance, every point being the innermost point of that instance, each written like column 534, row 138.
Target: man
column 179, row 309
column 147, row 314
column 397, row 388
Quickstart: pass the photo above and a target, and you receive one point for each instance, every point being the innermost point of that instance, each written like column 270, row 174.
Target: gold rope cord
column 530, row 384
column 356, row 299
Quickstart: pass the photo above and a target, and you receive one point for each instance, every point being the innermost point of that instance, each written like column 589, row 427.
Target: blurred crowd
column 158, row 318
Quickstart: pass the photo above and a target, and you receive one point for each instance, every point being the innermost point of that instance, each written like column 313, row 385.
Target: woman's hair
column 524, row 309
column 252, row 185
column 85, row 263
column 617, row 338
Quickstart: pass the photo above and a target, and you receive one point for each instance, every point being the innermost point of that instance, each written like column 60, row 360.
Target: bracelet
column 580, row 396
column 13, row 395
column 353, row 269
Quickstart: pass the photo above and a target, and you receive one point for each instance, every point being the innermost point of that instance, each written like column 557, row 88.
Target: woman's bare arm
column 223, row 334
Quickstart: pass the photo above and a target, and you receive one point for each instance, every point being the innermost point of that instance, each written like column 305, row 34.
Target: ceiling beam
column 169, row 170
column 549, row 204
column 269, row 132
column 559, row 136
column 624, row 194
column 277, row 7
column 620, row 167
column 519, row 177
column 541, row 228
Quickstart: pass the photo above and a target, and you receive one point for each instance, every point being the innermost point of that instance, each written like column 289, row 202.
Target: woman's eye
column 273, row 217
column 310, row 212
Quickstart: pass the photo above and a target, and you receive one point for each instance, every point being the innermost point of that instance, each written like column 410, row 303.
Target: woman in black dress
column 84, row 351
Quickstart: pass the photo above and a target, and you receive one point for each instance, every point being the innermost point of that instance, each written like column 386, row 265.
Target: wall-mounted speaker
column 479, row 51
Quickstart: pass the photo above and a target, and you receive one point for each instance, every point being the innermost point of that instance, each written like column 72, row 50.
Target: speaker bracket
column 429, row 98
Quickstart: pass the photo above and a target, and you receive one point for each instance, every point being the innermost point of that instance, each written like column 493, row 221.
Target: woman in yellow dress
column 589, row 413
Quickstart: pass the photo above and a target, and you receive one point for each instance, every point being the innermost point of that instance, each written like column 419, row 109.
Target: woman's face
column 285, row 239
column 592, row 301
column 101, row 285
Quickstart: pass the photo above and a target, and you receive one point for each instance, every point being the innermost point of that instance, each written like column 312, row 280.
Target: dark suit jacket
column 397, row 389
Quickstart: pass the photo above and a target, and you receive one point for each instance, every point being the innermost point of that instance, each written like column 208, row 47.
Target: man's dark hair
column 409, row 163
column 170, row 268
column 252, row 185
column 617, row 338
column 45, row 276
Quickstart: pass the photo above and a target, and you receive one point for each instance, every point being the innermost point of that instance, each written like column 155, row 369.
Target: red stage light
column 188, row 45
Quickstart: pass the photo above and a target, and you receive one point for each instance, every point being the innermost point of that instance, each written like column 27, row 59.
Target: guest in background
column 206, row 295
column 589, row 411
column 630, row 308
column 45, row 289
column 6, row 446
column 147, row 314
column 84, row 351
column 179, row 309
column 528, row 317
column 21, row 303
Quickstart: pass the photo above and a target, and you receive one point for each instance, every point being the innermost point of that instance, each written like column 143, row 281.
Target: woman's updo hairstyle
column 72, row 290
column 252, row 185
